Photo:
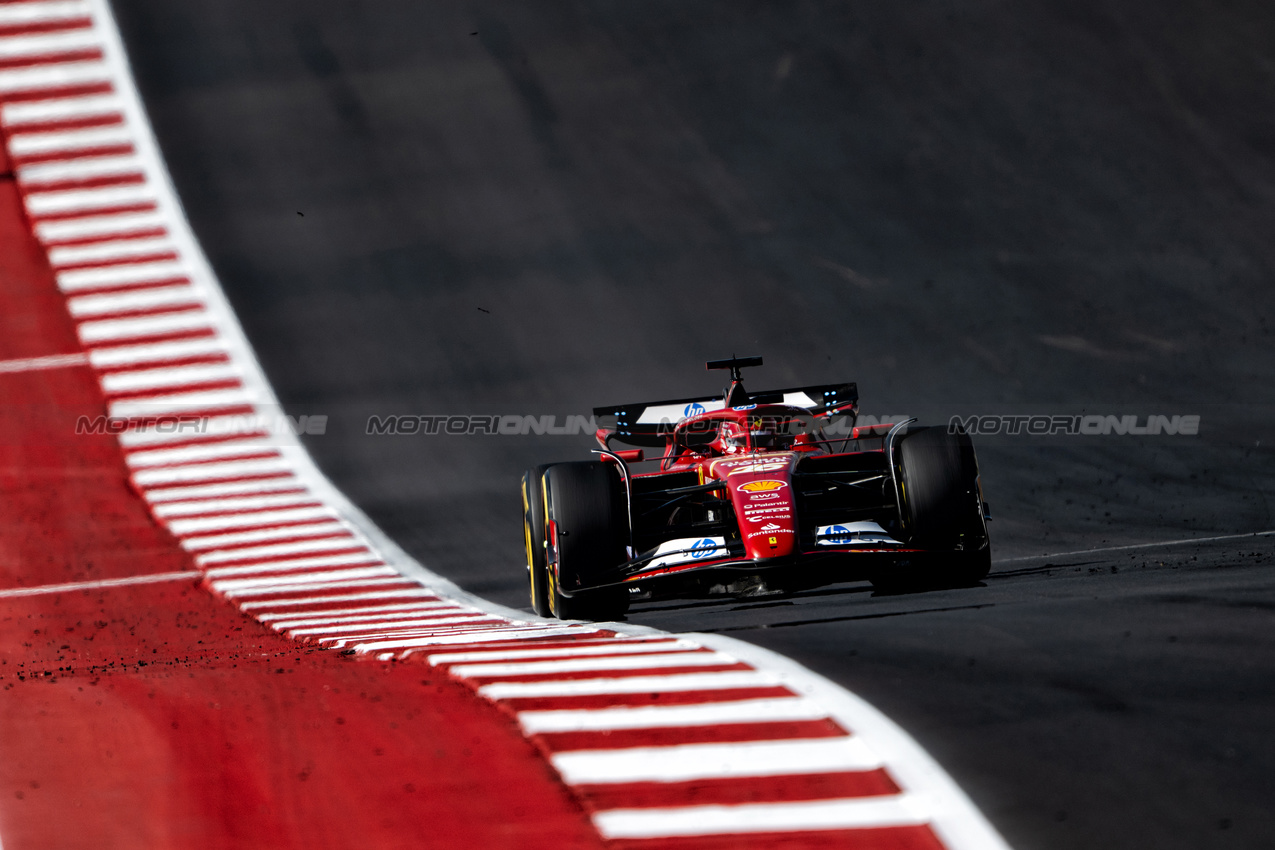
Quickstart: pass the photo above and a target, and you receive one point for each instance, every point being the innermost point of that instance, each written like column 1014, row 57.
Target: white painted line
column 322, row 544
column 231, row 488
column 209, row 472
column 382, row 587
column 116, row 251
column 816, row 815
column 201, row 452
column 14, row 115
column 111, row 330
column 687, row 658
column 101, row 584
column 114, row 226
column 670, row 716
column 43, row 44
column 392, row 582
column 388, row 634
column 199, row 525
column 1183, row 542
column 213, row 541
column 632, row 685
column 480, row 623
column 233, row 587
column 175, row 403
column 213, row 427
column 491, row 636
column 293, row 619
column 53, row 76
column 51, row 361
column 429, row 614
column 473, row 628
column 372, row 626
column 88, row 168
column 687, row 762
column 133, row 355
column 345, row 543
column 87, row 306
column 66, row 141
column 416, row 617
column 272, row 568
column 126, row 275
column 239, row 504
column 302, row 601
column 614, row 646
column 87, row 201
column 169, row 378
column 17, row 14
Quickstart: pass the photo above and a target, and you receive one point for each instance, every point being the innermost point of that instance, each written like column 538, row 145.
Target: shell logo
column 762, row 486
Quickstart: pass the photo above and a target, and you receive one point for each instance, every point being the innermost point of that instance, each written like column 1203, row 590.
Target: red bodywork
column 760, row 488
column 756, row 478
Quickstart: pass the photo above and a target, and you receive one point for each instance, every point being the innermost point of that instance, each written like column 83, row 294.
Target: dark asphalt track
column 1041, row 207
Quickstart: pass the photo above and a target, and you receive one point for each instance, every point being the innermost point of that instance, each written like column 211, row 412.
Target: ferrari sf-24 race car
column 751, row 495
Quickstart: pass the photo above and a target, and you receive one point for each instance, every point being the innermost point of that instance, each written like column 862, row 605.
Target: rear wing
column 647, row 424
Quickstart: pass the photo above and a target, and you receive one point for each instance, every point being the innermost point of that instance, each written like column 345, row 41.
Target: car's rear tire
column 585, row 507
column 942, row 512
column 533, row 525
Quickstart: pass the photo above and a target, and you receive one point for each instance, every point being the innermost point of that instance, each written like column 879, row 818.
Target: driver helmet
column 731, row 438
column 766, row 434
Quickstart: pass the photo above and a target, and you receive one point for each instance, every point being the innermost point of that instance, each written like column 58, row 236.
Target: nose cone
column 761, row 491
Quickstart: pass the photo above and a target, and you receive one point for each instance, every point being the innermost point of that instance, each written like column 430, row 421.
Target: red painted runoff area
column 137, row 710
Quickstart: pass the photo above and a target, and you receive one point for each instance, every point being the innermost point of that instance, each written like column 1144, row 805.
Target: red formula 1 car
column 751, row 495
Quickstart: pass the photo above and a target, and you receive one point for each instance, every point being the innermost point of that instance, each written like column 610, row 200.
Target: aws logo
column 764, row 486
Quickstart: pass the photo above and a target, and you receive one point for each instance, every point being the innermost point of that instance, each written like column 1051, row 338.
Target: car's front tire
column 533, row 525
column 942, row 512
column 591, row 531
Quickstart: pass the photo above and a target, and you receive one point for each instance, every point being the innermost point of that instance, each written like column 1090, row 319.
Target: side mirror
column 626, row 455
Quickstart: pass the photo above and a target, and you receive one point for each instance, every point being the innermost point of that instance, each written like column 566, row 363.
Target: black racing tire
column 586, row 505
column 942, row 512
column 533, row 525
